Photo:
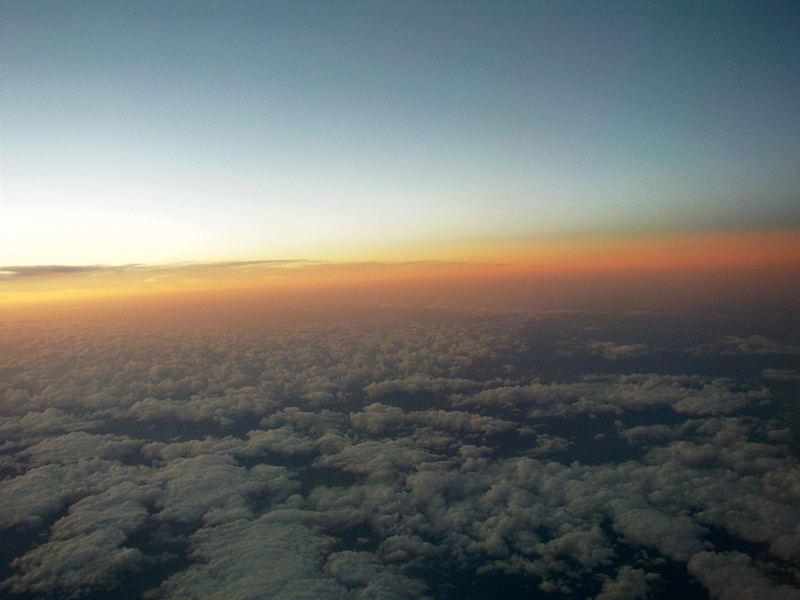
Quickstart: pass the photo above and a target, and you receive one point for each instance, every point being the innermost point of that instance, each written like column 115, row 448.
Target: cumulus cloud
column 418, row 383
column 546, row 444
column 609, row 350
column 781, row 374
column 616, row 394
column 46, row 490
column 629, row 584
column 215, row 489
column 378, row 459
column 78, row 565
column 30, row 426
column 80, row 445
column 246, row 559
column 86, row 548
column 731, row 345
column 676, row 537
column 348, row 459
column 732, row 576
column 379, row 418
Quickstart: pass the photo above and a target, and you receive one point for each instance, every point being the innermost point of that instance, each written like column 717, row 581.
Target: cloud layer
column 364, row 458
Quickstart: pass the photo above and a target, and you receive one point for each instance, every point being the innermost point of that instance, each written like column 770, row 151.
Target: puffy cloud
column 419, row 383
column 319, row 423
column 365, row 570
column 223, row 446
column 644, row 434
column 731, row 345
column 378, row 459
column 36, row 494
column 77, row 565
column 46, row 490
column 714, row 402
column 388, row 586
column 284, row 440
column 245, row 560
column 86, row 548
column 629, row 584
column 215, row 489
column 616, row 394
column 80, row 445
column 781, row 374
column 732, row 576
column 379, row 418
column 34, row 424
column 371, row 494
column 546, row 444
column 406, row 549
column 223, row 409
column 609, row 350
column 589, row 547
column 287, row 441
column 677, row 537
column 353, row 568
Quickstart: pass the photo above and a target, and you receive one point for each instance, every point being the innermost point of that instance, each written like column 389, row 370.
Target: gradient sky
column 167, row 131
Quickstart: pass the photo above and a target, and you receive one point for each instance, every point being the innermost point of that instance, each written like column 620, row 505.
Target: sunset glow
column 659, row 255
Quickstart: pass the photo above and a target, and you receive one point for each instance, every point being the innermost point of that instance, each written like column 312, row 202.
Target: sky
column 403, row 300
column 525, row 133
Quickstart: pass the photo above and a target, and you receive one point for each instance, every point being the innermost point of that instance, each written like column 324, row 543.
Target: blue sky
column 152, row 131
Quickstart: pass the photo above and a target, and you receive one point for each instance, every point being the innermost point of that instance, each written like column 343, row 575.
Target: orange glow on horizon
column 651, row 253
column 684, row 250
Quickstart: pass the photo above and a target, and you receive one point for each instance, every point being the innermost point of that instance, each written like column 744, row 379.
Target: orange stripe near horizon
column 636, row 251
column 655, row 253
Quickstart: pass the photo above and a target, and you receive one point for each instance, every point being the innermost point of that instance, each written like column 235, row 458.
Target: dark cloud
column 54, row 270
column 49, row 270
